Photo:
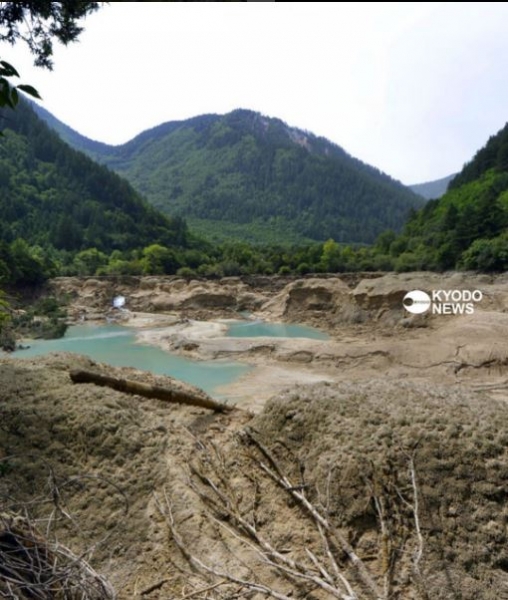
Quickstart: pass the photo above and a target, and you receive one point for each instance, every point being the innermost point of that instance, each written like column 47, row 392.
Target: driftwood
column 31, row 566
column 148, row 391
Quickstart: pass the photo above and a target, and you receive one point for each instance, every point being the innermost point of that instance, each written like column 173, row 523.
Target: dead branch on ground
column 128, row 386
column 35, row 564
column 331, row 565
column 33, row 567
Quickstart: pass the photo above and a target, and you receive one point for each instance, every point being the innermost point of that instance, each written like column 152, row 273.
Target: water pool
column 262, row 329
column 116, row 345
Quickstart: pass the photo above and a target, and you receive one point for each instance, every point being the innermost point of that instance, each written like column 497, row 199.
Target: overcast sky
column 413, row 88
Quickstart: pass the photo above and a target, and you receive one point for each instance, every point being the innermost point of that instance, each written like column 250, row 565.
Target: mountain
column 74, row 139
column 468, row 227
column 54, row 196
column 493, row 157
column 247, row 176
column 432, row 189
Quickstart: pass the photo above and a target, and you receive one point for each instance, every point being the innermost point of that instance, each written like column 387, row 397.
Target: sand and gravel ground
column 113, row 461
column 470, row 350
column 400, row 441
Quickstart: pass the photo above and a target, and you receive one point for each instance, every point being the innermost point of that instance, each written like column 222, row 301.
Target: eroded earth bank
column 370, row 465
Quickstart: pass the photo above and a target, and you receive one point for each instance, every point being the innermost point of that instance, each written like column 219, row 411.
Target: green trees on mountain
column 487, row 255
column 59, row 201
column 26, row 173
column 245, row 176
column 64, row 214
column 493, row 156
column 468, row 227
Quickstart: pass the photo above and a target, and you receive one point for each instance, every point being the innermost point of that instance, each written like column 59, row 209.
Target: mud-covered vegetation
column 408, row 477
column 46, row 318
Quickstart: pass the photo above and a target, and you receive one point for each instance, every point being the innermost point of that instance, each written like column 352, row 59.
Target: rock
column 330, row 302
column 205, row 299
column 308, row 295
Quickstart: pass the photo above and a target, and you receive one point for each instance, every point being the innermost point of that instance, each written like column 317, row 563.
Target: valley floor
column 394, row 430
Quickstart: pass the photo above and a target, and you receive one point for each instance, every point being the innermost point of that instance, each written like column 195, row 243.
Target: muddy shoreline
column 370, row 331
column 392, row 409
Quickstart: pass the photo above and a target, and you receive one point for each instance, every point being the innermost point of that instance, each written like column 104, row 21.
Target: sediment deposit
column 393, row 432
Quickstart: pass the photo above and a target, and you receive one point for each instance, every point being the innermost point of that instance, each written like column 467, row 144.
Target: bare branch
column 167, row 513
column 203, row 590
column 333, row 565
column 336, row 537
column 419, row 551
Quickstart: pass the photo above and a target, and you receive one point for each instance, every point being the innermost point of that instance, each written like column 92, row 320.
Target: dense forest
column 62, row 214
column 54, row 200
column 468, row 227
column 248, row 177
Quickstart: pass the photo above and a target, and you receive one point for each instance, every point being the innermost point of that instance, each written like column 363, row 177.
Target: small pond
column 262, row 329
column 116, row 345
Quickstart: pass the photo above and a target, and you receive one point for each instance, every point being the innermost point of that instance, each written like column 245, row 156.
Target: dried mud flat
column 376, row 486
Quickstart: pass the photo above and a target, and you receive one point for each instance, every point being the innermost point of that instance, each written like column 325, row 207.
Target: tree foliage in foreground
column 39, row 23
column 9, row 93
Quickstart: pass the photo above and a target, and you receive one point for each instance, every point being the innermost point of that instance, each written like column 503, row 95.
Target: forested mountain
column 50, row 193
column 431, row 190
column 64, row 214
column 94, row 149
column 468, row 226
column 255, row 177
column 56, row 198
column 493, row 156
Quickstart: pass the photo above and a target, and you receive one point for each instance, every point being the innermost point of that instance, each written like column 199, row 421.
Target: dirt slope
column 402, row 452
column 374, row 300
column 105, row 466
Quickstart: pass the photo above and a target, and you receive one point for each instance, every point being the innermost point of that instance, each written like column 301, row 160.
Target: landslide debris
column 367, row 301
column 101, row 469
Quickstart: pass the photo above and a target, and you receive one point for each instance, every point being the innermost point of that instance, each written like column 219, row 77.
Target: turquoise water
column 115, row 345
column 261, row 329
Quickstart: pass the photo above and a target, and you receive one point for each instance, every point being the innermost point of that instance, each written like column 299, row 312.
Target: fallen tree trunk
column 148, row 391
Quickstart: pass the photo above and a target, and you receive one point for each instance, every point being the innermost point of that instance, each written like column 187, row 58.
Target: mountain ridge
column 467, row 228
column 245, row 168
column 56, row 199
column 430, row 190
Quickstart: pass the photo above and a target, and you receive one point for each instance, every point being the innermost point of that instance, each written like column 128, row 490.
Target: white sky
column 413, row 88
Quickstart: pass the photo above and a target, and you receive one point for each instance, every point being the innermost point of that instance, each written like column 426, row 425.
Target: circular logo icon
column 416, row 302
